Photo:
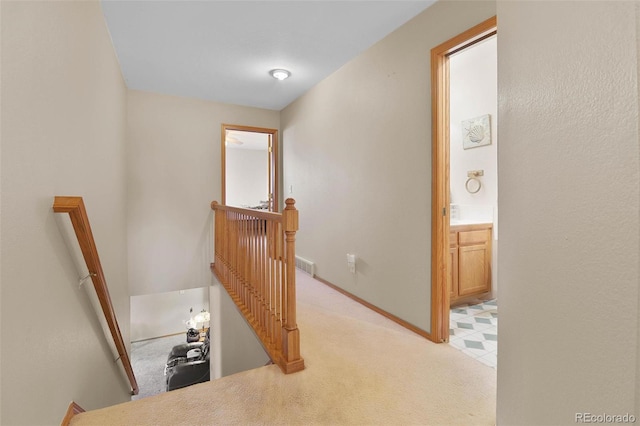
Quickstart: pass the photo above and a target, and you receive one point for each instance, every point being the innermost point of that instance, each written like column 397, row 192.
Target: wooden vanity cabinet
column 469, row 260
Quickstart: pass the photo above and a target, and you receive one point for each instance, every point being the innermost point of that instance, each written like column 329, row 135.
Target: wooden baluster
column 274, row 281
column 231, row 248
column 265, row 279
column 250, row 263
column 241, row 253
column 256, row 277
column 242, row 285
column 222, row 223
column 236, row 250
column 224, row 234
column 230, row 251
column 231, row 222
column 220, row 231
column 256, row 269
column 277, row 286
column 249, row 278
column 254, row 266
column 259, row 281
column 229, row 245
column 215, row 233
column 247, row 262
column 271, row 282
column 222, row 241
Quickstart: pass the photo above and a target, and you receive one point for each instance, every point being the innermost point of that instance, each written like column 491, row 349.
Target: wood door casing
column 273, row 175
column 440, row 297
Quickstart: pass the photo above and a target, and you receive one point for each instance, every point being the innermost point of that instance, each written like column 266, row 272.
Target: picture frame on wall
column 476, row 132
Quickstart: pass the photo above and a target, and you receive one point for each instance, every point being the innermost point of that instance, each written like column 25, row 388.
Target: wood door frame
column 440, row 299
column 273, row 164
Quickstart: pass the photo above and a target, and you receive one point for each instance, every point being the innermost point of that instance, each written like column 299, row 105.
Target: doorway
column 249, row 167
column 442, row 261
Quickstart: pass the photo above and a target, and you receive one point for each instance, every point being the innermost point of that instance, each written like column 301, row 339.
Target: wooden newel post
column 291, row 340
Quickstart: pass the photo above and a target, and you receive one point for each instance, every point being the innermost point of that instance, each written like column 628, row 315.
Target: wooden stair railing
column 254, row 259
column 78, row 214
column 72, row 410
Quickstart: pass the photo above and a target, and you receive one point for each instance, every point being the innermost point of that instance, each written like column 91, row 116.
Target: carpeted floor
column 148, row 358
column 361, row 368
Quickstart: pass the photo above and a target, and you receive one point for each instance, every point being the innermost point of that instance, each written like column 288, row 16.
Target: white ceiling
column 223, row 50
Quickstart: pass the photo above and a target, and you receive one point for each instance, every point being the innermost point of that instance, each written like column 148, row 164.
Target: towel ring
column 472, row 187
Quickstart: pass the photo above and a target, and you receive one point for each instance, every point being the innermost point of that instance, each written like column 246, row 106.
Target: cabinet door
column 452, row 278
column 474, row 262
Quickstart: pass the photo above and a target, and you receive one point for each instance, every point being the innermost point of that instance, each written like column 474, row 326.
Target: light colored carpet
column 361, row 368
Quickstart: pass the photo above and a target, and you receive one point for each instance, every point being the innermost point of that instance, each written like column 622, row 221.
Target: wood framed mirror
column 249, row 167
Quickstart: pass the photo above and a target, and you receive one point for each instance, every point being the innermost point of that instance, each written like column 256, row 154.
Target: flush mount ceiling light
column 280, row 74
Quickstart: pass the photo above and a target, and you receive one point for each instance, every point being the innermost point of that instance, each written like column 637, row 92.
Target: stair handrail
column 78, row 214
column 72, row 410
column 254, row 260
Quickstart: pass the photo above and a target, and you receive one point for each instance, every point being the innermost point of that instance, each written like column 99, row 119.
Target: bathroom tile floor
column 474, row 331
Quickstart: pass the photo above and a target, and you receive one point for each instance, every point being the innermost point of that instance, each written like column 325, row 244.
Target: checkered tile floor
column 474, row 331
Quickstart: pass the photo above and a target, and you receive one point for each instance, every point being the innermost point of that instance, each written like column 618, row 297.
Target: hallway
column 361, row 368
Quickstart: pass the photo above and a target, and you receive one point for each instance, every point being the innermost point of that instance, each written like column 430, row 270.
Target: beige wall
column 357, row 151
column 638, row 316
column 162, row 314
column 238, row 347
column 173, row 172
column 569, row 201
column 63, row 133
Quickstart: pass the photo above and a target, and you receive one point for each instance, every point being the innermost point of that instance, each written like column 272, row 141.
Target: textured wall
column 357, row 152
column 638, row 316
column 569, row 201
column 238, row 347
column 173, row 166
column 63, row 133
column 162, row 314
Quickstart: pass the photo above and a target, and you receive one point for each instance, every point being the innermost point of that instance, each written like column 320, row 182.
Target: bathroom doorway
column 473, row 190
column 474, row 246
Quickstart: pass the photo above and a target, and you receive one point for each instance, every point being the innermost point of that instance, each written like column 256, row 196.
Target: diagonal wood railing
column 254, row 259
column 78, row 214
column 72, row 410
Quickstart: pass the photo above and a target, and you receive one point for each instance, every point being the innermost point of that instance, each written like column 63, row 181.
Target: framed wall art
column 476, row 132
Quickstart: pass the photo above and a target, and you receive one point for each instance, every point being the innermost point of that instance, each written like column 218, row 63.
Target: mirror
column 249, row 177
